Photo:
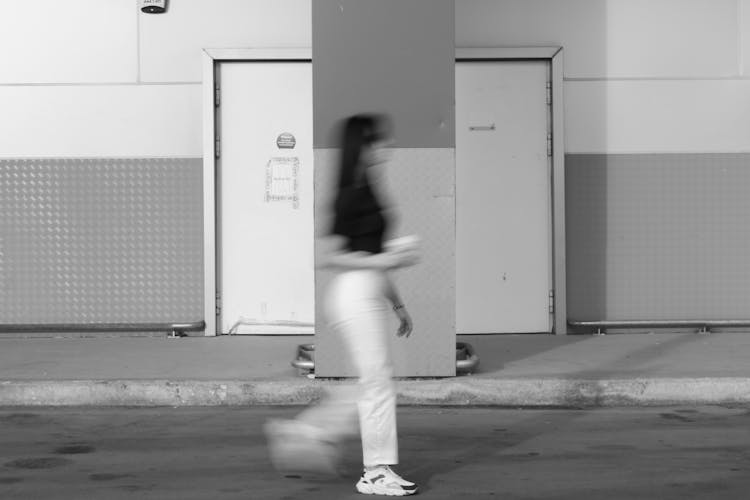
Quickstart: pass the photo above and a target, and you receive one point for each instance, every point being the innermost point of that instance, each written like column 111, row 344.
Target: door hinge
column 549, row 144
column 217, row 96
column 549, row 93
column 217, row 148
column 552, row 302
column 218, row 304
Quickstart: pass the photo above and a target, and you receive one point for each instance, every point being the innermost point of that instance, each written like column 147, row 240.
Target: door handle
column 478, row 128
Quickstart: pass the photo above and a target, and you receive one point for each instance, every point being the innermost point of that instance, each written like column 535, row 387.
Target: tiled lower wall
column 658, row 236
column 101, row 241
column 120, row 240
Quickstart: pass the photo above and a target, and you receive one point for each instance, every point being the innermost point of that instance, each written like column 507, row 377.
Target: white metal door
column 265, row 200
column 503, row 197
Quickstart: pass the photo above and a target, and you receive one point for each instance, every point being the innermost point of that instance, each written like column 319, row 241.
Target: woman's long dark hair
column 357, row 132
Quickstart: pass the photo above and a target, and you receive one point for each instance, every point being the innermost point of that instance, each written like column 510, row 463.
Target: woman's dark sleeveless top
column 359, row 217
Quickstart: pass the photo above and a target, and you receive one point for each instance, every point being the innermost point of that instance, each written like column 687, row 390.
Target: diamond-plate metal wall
column 101, row 241
column 421, row 188
column 658, row 236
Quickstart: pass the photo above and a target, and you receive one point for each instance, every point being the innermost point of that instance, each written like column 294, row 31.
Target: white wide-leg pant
column 356, row 310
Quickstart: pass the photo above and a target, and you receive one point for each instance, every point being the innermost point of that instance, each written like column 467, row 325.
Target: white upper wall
column 108, row 80
column 641, row 75
column 71, row 41
column 101, row 121
column 612, row 38
column 171, row 43
column 745, row 36
column 666, row 116
column 101, row 41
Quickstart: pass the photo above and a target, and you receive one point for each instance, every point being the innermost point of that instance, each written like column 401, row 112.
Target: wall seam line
column 740, row 40
column 101, row 84
column 656, row 152
column 137, row 45
column 659, row 79
column 100, row 157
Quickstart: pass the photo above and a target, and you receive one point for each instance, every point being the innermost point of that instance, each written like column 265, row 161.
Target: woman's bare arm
column 391, row 292
column 334, row 255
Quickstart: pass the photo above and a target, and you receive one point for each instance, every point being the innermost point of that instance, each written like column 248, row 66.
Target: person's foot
column 295, row 446
column 382, row 480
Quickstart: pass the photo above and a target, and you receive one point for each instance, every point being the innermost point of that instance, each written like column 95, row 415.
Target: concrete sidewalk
column 514, row 370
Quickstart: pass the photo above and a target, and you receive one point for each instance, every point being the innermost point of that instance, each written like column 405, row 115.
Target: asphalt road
column 452, row 453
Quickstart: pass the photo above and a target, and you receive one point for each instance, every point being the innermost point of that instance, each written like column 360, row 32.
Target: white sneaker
column 383, row 481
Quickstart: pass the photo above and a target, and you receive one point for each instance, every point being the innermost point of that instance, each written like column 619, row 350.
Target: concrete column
column 395, row 57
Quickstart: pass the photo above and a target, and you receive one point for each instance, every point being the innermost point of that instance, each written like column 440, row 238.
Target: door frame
column 212, row 59
column 553, row 56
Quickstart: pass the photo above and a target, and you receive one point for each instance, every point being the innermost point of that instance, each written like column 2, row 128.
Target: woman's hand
column 406, row 326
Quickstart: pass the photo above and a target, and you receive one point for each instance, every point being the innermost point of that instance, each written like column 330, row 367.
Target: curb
column 448, row 392
column 579, row 393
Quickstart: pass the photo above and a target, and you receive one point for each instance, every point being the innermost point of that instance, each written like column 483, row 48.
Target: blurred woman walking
column 356, row 309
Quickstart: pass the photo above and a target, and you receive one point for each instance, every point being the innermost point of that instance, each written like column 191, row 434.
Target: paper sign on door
column 282, row 180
